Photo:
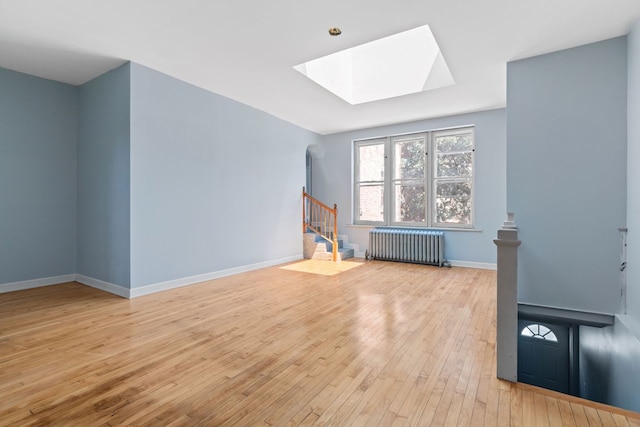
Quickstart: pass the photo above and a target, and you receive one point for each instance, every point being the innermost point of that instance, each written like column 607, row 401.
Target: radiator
column 407, row 245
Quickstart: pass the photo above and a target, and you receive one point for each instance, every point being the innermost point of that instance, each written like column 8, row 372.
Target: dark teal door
column 543, row 355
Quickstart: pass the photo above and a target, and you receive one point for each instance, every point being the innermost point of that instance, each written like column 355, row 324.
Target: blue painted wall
column 38, row 137
column 633, row 176
column 215, row 184
column 332, row 181
column 566, row 173
column 609, row 368
column 610, row 357
column 103, row 178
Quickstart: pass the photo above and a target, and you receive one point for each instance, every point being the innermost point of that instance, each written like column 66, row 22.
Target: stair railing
column 321, row 219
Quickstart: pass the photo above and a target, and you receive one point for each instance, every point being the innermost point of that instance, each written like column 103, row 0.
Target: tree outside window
column 423, row 179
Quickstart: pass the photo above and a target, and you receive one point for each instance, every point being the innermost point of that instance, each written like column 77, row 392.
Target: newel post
column 334, row 255
column 507, row 300
column 304, row 214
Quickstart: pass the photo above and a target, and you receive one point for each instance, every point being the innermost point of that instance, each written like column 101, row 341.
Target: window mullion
column 388, row 171
column 428, row 181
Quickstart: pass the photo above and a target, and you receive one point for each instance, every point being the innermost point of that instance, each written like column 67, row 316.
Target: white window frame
column 430, row 179
column 357, row 184
column 392, row 205
column 435, row 179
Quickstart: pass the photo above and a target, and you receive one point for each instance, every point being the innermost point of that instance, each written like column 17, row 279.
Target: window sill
column 473, row 230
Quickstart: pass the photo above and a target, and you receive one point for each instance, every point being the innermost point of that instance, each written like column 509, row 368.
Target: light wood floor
column 314, row 343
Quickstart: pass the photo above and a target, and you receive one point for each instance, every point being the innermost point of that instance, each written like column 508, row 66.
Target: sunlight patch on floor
column 324, row 268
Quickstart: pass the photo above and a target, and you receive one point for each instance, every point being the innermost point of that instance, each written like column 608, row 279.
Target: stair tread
column 323, row 248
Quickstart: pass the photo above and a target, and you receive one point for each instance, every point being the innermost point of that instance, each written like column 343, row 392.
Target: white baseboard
column 104, row 286
column 454, row 263
column 471, row 264
column 177, row 283
column 143, row 290
column 36, row 283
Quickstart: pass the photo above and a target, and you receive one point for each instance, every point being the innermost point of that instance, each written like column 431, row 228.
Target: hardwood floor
column 310, row 343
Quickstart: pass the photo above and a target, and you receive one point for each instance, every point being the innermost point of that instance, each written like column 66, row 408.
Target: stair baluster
column 321, row 219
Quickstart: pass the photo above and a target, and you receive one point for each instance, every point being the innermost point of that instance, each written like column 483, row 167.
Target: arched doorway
column 309, row 181
column 313, row 152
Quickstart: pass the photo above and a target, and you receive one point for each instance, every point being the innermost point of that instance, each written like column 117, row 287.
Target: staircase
column 320, row 231
column 317, row 247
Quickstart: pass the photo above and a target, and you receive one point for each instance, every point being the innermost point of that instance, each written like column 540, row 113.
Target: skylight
column 400, row 64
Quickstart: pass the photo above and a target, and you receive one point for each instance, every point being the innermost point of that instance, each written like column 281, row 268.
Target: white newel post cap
column 510, row 223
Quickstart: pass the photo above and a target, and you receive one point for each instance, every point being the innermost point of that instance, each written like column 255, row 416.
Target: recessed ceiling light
column 335, row 31
column 400, row 64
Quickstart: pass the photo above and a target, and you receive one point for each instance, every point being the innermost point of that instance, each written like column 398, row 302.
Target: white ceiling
column 245, row 49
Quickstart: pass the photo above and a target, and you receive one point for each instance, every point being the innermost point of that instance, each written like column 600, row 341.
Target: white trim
column 420, row 130
column 453, row 263
column 472, row 264
column 104, row 286
column 185, row 281
column 36, row 283
column 177, row 283
column 143, row 290
column 413, row 227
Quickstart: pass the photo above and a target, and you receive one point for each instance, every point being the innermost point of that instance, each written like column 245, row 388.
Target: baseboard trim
column 186, row 281
column 471, row 264
column 177, row 283
column 104, row 286
column 454, row 263
column 36, row 283
column 143, row 290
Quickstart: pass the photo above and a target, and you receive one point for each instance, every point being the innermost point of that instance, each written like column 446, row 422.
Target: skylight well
column 401, row 64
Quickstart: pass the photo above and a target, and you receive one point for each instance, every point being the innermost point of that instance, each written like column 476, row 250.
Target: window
column 370, row 159
column 540, row 332
column 453, row 176
column 423, row 179
column 409, row 187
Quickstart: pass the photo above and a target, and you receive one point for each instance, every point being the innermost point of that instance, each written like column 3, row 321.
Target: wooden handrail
column 318, row 202
column 321, row 219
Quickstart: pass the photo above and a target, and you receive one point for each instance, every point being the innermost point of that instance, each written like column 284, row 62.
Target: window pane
column 409, row 203
column 454, row 165
column 454, row 143
column 371, row 198
column 371, row 162
column 453, row 202
column 409, row 159
column 540, row 332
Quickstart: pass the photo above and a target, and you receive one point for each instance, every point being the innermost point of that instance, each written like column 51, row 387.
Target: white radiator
column 407, row 245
